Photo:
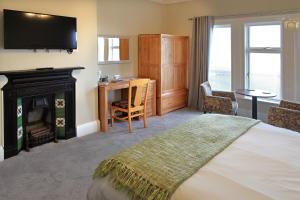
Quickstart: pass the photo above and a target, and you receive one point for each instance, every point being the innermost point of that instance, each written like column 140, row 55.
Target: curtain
column 202, row 33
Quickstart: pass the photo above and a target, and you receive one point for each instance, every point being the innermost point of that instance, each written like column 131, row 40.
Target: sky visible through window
column 220, row 59
column 265, row 36
column 265, row 58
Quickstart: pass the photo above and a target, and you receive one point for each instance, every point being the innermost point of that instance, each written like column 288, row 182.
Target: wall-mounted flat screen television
column 27, row 30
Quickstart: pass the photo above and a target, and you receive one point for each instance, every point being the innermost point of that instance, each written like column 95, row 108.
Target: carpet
column 63, row 171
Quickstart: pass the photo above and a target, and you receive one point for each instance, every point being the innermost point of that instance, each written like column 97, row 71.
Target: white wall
column 86, row 55
column 128, row 18
column 177, row 23
column 177, row 14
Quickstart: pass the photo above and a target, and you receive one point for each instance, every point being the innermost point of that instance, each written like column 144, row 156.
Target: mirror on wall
column 113, row 49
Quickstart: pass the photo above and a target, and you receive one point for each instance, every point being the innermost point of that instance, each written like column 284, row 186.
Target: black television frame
column 47, row 48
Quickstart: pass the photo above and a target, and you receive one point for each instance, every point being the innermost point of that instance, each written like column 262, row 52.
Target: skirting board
column 88, row 128
column 1, row 153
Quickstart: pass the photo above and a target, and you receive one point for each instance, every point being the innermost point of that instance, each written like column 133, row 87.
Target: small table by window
column 255, row 94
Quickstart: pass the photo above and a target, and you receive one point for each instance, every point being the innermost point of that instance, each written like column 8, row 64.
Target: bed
column 263, row 163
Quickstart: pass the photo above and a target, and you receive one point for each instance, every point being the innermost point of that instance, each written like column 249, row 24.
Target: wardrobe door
column 164, row 58
column 149, row 57
column 174, row 71
column 180, row 62
column 167, row 64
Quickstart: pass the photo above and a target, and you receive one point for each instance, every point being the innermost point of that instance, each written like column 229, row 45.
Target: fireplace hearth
column 39, row 107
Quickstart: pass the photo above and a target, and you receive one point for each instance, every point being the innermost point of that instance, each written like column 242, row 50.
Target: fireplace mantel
column 39, row 70
column 20, row 74
column 23, row 84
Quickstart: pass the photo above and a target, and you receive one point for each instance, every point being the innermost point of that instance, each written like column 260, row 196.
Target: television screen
column 27, row 30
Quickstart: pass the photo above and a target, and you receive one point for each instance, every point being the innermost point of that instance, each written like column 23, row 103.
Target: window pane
column 113, row 49
column 265, row 72
column 220, row 59
column 115, row 42
column 265, row 36
column 115, row 54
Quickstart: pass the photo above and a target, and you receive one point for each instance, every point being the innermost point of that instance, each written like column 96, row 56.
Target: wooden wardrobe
column 164, row 58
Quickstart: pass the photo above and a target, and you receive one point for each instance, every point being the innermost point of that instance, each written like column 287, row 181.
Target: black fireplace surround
column 37, row 88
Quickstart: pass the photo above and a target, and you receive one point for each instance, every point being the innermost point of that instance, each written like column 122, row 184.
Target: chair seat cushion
column 121, row 104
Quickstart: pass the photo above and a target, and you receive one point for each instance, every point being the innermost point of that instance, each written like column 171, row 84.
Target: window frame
column 270, row 50
column 111, row 48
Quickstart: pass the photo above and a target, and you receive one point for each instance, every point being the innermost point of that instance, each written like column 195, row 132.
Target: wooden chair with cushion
column 135, row 106
column 286, row 115
column 218, row 101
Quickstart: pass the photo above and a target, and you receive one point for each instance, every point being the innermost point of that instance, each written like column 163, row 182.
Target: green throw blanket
column 154, row 168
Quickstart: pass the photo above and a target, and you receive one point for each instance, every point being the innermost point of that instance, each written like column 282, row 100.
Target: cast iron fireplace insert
column 39, row 106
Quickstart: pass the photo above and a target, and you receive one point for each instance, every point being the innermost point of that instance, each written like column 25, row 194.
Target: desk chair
column 135, row 106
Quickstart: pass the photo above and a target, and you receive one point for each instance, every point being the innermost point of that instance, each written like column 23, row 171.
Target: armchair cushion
column 285, row 118
column 231, row 95
column 218, row 104
column 289, row 105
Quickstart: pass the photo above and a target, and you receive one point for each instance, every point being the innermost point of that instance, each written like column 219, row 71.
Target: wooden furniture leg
column 112, row 113
column 104, row 109
column 129, row 121
column 145, row 118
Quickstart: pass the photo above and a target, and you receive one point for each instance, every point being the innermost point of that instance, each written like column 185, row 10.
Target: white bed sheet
column 262, row 164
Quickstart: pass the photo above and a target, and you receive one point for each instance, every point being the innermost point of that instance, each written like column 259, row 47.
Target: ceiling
column 169, row 1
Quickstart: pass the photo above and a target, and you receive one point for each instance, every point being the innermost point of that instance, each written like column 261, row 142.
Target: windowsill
column 263, row 100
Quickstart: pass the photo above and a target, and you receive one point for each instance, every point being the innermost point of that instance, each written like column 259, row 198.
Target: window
column 219, row 74
column 263, row 57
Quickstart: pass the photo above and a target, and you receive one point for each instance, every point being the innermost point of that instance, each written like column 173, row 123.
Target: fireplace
column 39, row 120
column 39, row 107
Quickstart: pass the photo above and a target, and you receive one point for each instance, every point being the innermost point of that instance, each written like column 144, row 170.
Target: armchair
column 287, row 115
column 218, row 101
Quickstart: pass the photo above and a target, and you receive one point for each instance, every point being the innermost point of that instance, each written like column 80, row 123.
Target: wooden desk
column 103, row 91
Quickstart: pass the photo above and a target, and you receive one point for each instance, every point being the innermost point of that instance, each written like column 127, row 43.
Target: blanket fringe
column 128, row 180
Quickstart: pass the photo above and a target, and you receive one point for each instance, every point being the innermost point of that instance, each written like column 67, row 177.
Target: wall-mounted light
column 291, row 24
column 30, row 14
column 43, row 16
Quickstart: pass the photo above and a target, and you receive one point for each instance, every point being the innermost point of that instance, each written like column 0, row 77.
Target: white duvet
column 264, row 163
